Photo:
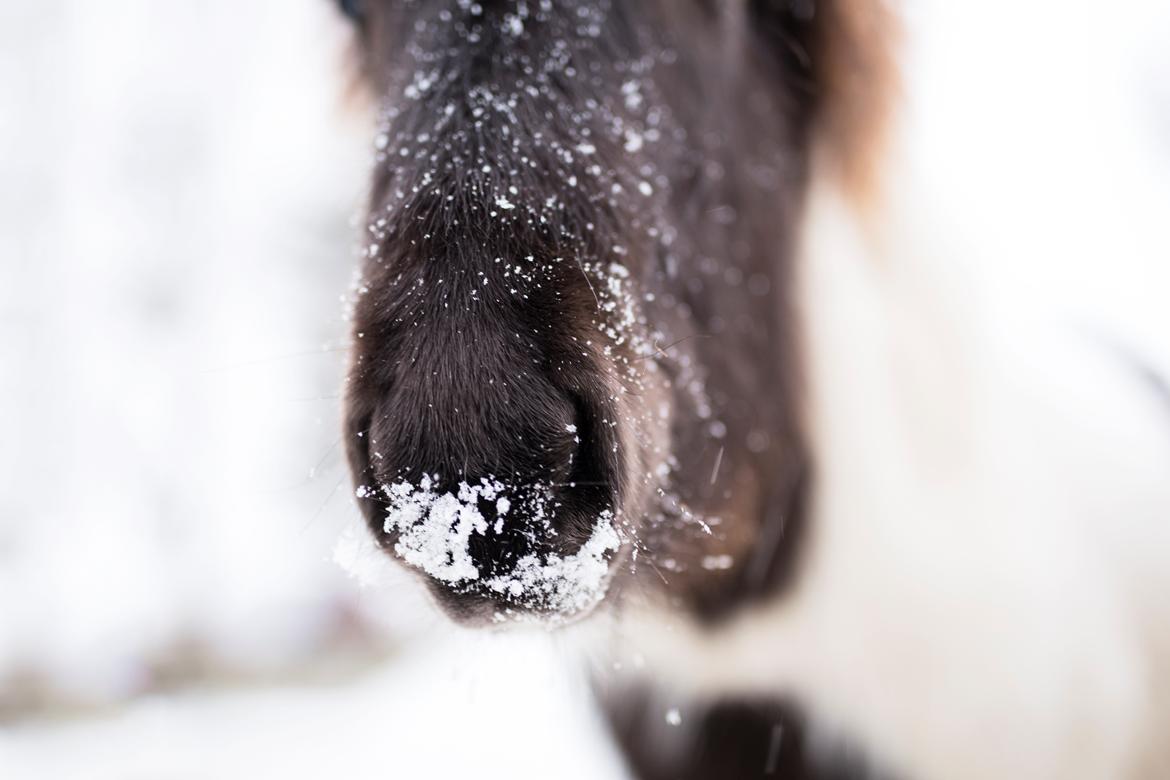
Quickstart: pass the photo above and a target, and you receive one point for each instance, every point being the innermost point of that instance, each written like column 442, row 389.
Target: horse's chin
column 477, row 611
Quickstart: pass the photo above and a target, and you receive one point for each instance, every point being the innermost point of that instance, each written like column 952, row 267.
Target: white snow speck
column 513, row 25
column 717, row 562
column 504, row 203
column 673, row 717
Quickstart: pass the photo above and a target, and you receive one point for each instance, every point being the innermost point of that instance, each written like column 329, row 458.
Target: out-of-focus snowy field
column 486, row 709
column 177, row 184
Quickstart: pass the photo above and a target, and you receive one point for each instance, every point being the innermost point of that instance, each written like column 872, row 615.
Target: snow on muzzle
column 494, row 547
column 506, row 510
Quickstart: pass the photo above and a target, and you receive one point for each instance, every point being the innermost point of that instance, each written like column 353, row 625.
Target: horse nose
column 504, row 512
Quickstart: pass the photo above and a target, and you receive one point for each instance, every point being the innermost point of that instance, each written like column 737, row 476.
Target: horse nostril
column 516, row 507
column 595, row 463
column 513, row 531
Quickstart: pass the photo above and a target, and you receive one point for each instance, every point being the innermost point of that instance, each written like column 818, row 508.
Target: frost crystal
column 566, row 585
column 434, row 528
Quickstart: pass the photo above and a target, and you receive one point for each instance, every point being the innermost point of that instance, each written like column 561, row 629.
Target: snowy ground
column 455, row 713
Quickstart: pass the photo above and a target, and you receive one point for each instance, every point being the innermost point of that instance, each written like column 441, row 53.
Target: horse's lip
column 473, row 609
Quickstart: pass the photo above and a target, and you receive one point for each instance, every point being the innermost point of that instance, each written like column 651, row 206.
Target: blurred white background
column 177, row 188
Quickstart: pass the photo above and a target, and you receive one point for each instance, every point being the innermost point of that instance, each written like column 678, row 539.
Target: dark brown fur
column 485, row 323
column 733, row 739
